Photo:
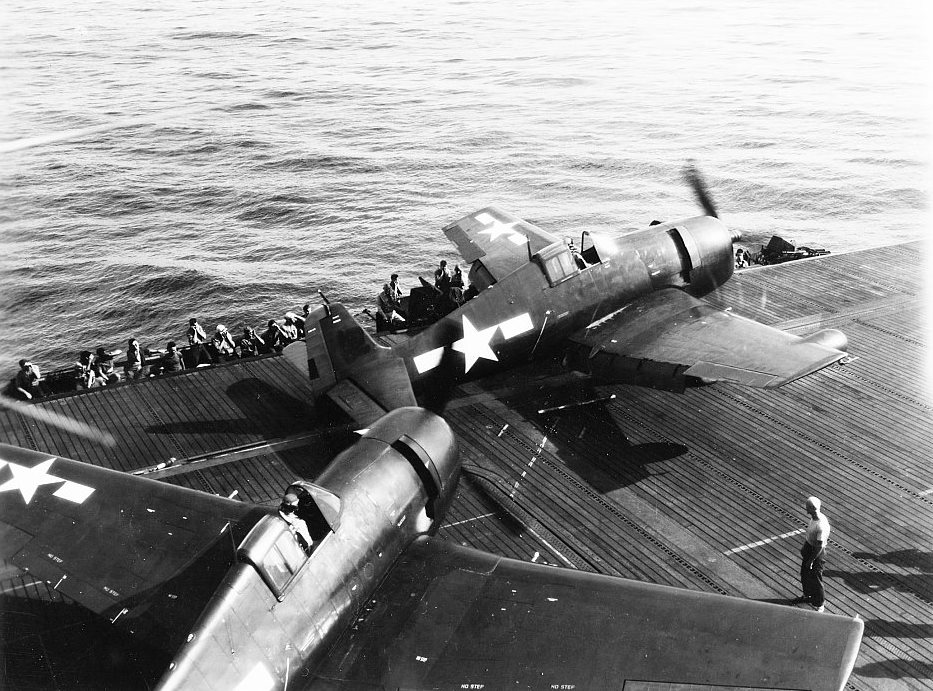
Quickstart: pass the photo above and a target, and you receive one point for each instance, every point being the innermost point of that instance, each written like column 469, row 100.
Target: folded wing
column 498, row 239
column 665, row 337
column 122, row 546
column 453, row 617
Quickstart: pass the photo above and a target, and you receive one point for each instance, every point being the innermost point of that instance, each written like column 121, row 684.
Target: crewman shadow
column 867, row 582
column 907, row 558
column 874, row 581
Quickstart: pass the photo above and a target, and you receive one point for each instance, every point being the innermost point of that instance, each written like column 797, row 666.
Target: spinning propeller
column 62, row 422
column 701, row 191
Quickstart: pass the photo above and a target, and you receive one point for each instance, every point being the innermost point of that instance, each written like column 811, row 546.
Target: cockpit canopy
column 274, row 551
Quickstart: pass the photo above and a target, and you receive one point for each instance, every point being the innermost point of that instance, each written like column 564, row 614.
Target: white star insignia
column 475, row 344
column 498, row 229
column 28, row 480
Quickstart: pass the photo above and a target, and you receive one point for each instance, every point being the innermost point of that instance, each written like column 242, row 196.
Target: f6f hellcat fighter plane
column 625, row 309
column 230, row 598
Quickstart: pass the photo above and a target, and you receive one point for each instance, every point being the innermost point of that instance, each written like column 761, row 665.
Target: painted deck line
column 468, row 520
column 753, row 545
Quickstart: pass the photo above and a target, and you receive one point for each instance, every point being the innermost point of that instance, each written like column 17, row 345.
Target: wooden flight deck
column 703, row 490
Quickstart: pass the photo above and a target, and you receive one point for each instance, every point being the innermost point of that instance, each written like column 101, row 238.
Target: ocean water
column 286, row 147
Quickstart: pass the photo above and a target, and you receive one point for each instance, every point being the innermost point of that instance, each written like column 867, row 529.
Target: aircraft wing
column 453, row 617
column 662, row 338
column 116, row 543
column 499, row 239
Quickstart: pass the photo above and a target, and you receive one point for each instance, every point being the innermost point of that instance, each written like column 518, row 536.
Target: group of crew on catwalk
column 98, row 369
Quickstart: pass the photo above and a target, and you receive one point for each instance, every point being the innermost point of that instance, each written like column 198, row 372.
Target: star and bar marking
column 475, row 342
column 27, row 480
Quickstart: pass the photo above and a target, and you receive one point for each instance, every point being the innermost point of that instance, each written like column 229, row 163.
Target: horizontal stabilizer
column 356, row 403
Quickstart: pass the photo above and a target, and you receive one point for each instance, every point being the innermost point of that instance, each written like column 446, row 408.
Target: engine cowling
column 709, row 245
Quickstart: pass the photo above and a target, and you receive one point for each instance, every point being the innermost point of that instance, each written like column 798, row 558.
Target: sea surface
column 284, row 147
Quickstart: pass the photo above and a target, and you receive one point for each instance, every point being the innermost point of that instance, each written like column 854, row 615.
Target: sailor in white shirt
column 813, row 554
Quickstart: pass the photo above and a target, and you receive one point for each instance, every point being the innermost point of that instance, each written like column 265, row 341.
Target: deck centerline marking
column 530, row 466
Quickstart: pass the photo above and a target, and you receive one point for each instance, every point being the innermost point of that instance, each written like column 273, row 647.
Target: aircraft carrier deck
column 703, row 490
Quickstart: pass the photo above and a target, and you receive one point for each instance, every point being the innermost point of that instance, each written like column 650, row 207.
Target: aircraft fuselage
column 532, row 310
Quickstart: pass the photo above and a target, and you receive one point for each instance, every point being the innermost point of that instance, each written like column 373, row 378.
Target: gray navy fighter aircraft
column 233, row 600
column 624, row 309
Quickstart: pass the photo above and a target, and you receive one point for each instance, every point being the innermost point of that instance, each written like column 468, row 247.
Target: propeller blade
column 60, row 421
column 700, row 190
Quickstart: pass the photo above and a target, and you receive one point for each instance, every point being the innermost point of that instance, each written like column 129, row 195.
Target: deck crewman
column 197, row 340
column 813, row 555
column 28, row 380
column 389, row 309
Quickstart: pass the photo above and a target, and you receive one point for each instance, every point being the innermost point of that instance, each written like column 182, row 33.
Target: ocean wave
column 273, row 93
column 348, row 164
column 247, row 106
column 211, row 35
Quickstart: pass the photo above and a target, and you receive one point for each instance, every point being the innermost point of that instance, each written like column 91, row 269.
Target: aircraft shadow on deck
column 892, row 628
column 896, row 668
column 587, row 437
column 65, row 646
column 266, row 411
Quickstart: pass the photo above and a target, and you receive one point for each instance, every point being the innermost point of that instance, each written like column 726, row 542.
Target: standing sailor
column 196, row 340
column 813, row 555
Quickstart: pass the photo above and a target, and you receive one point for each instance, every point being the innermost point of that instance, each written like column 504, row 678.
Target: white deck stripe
column 530, row 466
column 765, row 541
column 548, row 545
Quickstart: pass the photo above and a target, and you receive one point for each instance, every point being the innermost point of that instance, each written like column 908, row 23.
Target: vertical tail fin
column 344, row 363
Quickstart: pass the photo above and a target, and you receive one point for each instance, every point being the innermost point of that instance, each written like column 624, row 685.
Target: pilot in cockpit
column 577, row 257
column 288, row 510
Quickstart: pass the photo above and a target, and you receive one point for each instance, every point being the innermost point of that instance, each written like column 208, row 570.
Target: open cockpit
column 278, row 546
